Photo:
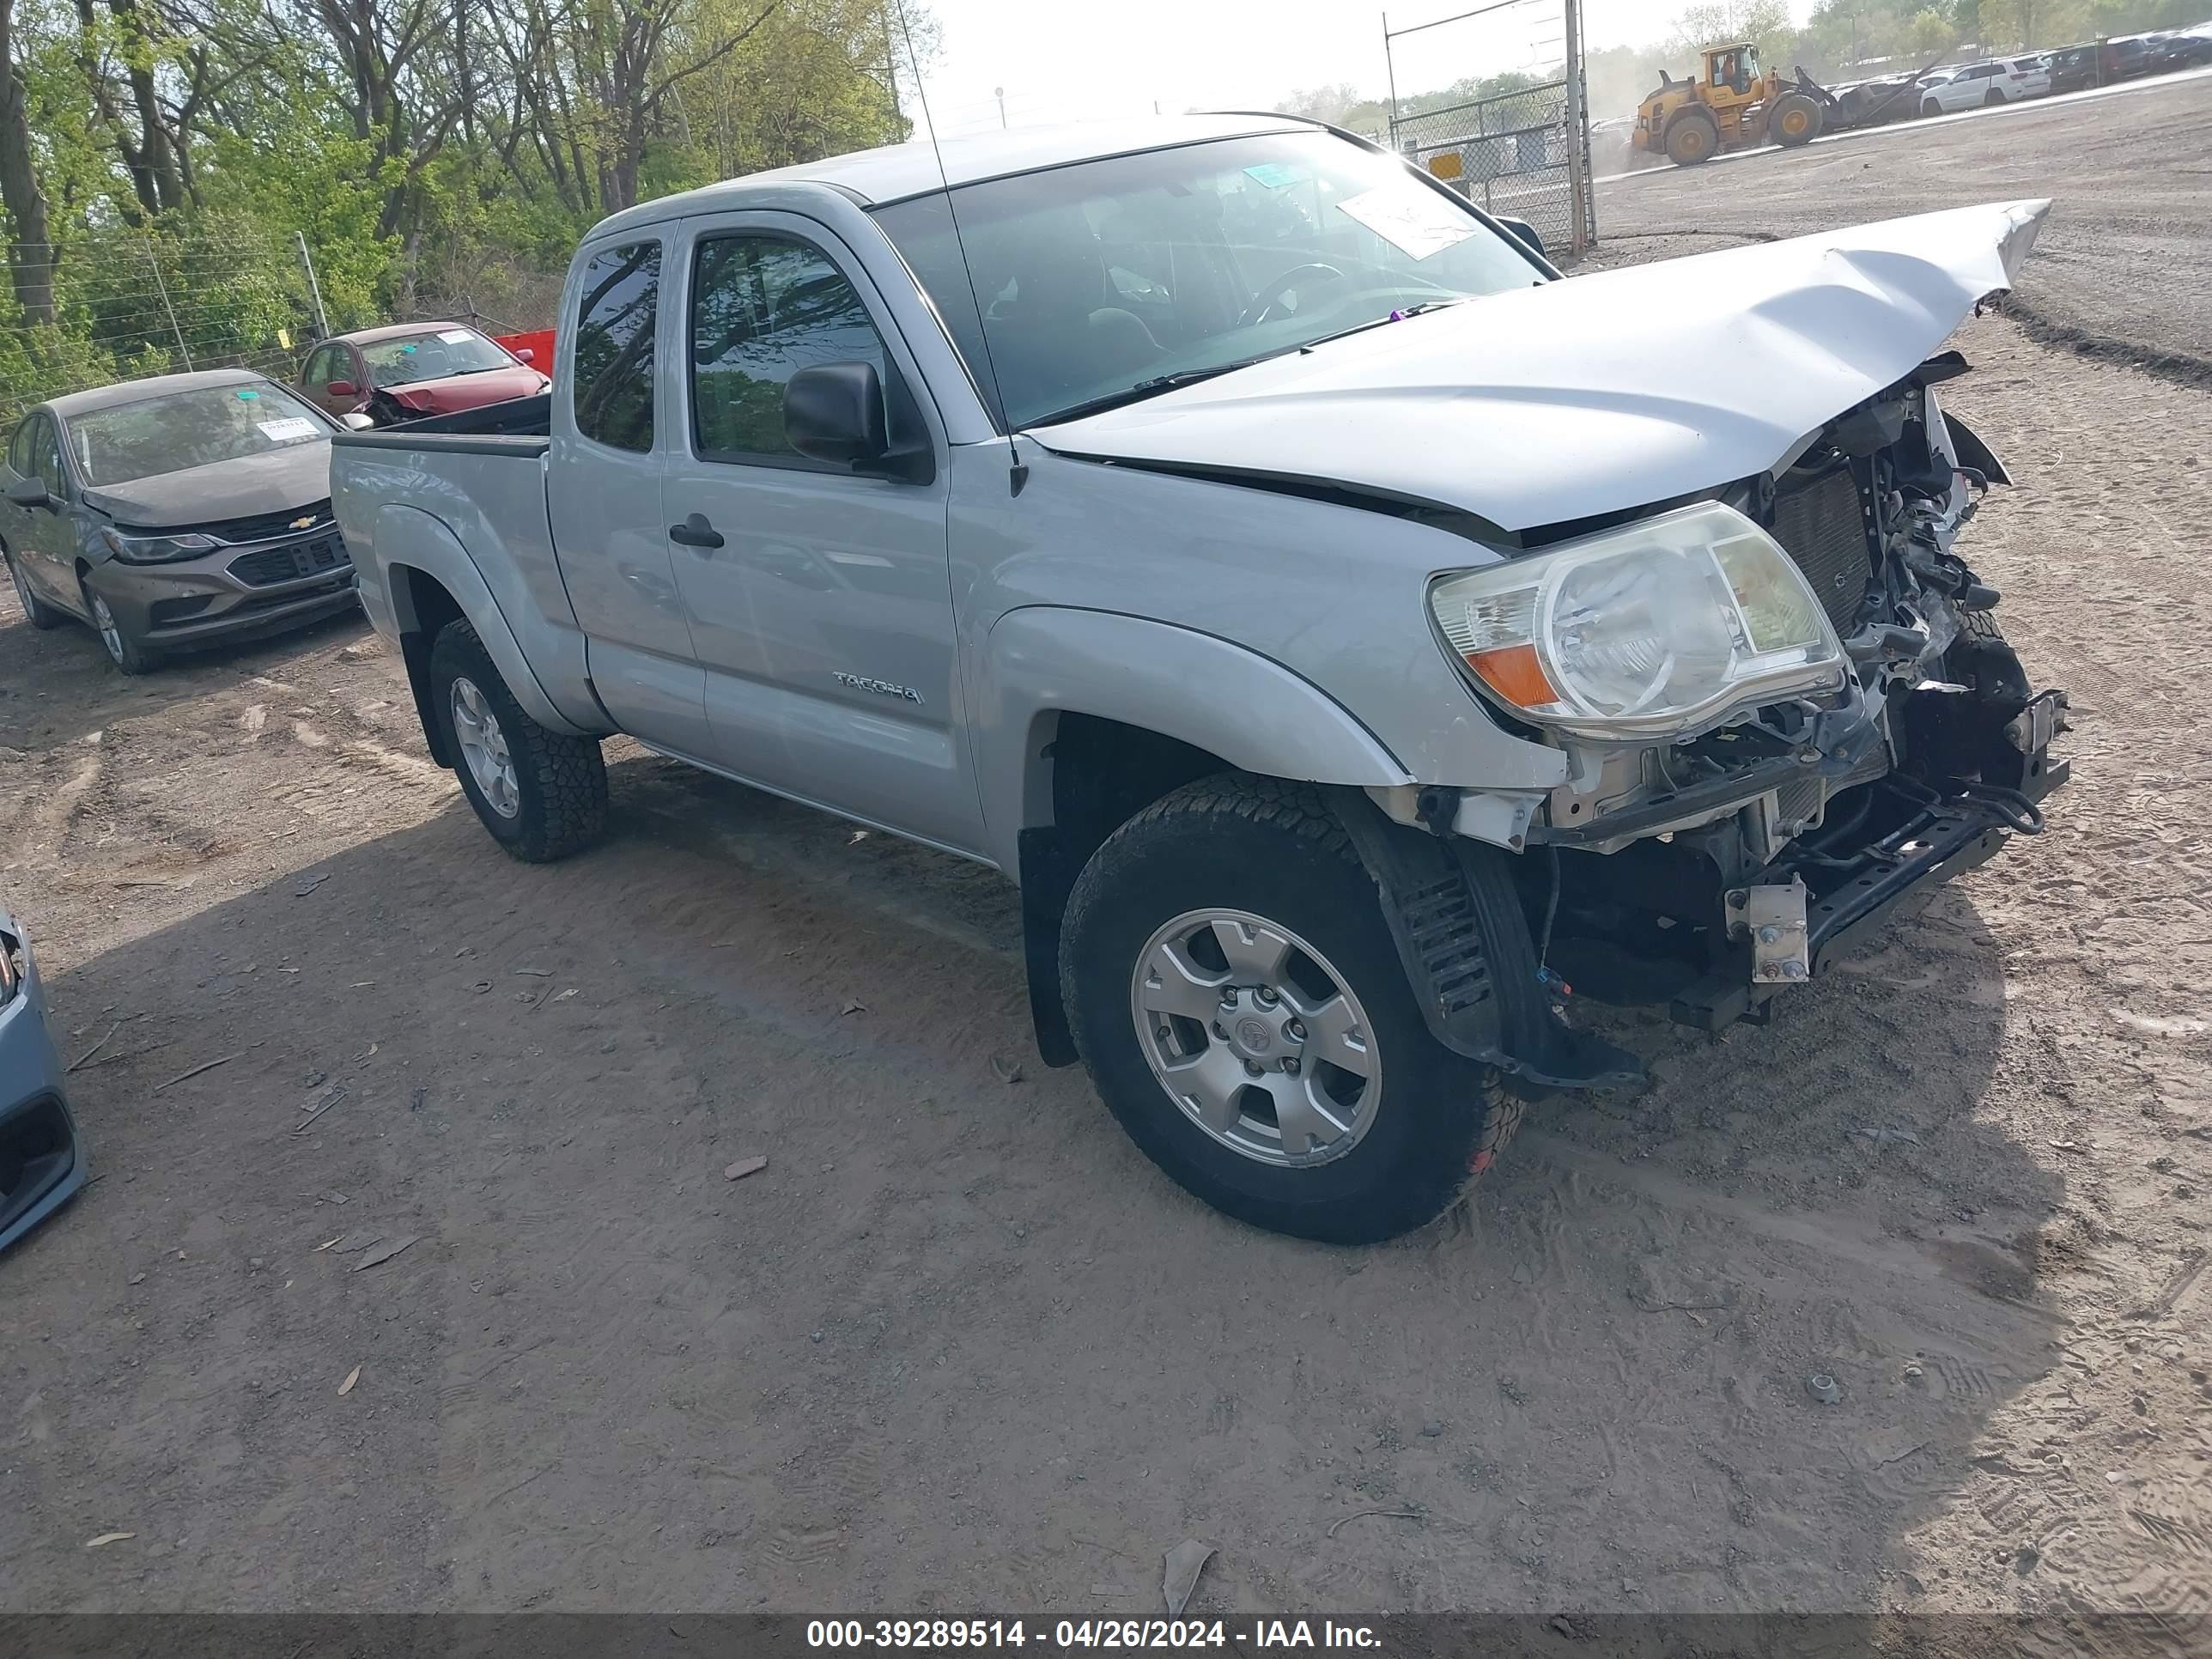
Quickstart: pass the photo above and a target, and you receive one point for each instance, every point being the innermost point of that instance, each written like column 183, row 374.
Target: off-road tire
column 562, row 781
column 36, row 610
column 1275, row 849
column 1692, row 138
column 1795, row 104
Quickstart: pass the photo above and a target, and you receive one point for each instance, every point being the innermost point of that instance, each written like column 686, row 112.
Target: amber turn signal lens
column 1516, row 673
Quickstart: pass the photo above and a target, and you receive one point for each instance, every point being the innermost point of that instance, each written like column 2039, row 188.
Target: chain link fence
column 132, row 303
column 1522, row 149
column 1507, row 154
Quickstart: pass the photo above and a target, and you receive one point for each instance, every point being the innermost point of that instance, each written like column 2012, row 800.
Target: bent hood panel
column 246, row 486
column 1598, row 393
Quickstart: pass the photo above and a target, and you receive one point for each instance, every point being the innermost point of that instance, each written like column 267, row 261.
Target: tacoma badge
column 881, row 688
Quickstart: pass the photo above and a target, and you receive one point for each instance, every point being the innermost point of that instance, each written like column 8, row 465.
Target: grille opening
column 291, row 562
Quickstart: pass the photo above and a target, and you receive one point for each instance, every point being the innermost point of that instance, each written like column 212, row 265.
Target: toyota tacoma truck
column 1348, row 635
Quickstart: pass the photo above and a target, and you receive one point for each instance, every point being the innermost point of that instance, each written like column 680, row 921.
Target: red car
column 412, row 369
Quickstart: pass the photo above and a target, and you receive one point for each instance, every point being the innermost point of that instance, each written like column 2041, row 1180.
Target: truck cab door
column 614, row 423
column 820, row 601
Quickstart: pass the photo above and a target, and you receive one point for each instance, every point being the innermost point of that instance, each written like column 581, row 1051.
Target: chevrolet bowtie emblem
column 308, row 523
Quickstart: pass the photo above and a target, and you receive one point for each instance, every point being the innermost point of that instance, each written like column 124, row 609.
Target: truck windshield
column 1121, row 277
column 184, row 429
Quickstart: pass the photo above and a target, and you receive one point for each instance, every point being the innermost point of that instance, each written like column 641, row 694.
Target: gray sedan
column 40, row 1166
column 173, row 511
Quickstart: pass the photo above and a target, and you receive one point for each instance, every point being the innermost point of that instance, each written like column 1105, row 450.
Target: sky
column 1070, row 59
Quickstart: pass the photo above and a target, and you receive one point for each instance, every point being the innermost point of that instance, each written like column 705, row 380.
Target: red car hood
column 459, row 392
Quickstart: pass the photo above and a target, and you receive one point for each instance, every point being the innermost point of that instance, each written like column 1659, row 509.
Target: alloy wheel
column 1257, row 1037
column 483, row 749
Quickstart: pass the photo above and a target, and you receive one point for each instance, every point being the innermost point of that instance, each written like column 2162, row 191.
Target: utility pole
column 163, row 289
column 999, row 93
column 314, row 287
column 1391, row 69
column 1579, row 228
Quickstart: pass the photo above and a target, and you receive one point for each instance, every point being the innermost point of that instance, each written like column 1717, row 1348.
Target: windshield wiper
column 1398, row 315
column 1143, row 389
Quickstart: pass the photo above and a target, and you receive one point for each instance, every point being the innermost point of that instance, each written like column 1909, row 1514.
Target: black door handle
column 695, row 532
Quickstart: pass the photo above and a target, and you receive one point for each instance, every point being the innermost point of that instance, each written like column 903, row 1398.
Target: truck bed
column 519, row 426
column 457, row 503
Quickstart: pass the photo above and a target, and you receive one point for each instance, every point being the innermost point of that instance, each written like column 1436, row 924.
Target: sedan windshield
column 1112, row 279
column 188, row 428
column 434, row 355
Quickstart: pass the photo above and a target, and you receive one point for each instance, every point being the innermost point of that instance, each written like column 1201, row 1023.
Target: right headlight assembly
column 1651, row 630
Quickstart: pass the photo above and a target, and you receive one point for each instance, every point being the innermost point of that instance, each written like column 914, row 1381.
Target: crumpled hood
column 457, row 393
column 1595, row 394
column 272, row 481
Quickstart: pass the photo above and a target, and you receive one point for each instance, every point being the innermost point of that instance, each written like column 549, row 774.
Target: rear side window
column 762, row 308
column 614, row 343
column 19, row 450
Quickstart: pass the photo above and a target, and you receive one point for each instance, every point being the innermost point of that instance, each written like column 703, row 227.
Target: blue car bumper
column 42, row 1165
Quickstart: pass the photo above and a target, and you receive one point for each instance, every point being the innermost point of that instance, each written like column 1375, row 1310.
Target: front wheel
column 1930, row 108
column 542, row 795
column 1238, row 1001
column 1993, row 99
column 124, row 650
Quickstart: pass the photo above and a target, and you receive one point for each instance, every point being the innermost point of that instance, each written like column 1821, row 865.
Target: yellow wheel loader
column 1736, row 105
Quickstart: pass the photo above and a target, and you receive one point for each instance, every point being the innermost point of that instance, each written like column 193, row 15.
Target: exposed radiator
column 1819, row 526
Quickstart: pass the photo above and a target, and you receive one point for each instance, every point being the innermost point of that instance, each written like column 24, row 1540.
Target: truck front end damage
column 1727, row 853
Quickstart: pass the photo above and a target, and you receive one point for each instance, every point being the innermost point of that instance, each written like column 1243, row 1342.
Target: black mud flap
column 1047, row 880
column 1458, row 921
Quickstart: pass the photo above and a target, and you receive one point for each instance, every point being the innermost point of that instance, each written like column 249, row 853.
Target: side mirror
column 1526, row 232
column 834, row 412
column 28, row 493
column 526, row 356
column 342, row 389
column 354, row 421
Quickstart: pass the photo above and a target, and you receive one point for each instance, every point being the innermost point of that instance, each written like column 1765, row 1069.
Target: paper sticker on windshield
column 1413, row 218
column 455, row 335
column 248, row 396
column 1274, row 175
column 288, row 430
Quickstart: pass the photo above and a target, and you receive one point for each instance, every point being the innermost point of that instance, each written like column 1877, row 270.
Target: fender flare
column 409, row 537
column 1041, row 661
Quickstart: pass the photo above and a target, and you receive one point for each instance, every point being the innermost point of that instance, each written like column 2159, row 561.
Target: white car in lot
column 1999, row 81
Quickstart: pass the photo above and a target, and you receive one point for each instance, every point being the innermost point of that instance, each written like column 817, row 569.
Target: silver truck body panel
column 540, row 656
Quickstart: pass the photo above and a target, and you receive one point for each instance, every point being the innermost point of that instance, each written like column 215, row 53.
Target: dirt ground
column 958, row 1347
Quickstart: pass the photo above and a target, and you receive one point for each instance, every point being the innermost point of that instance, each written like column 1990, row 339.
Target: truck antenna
column 1017, row 473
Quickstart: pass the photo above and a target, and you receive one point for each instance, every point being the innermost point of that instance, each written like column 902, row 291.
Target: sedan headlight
column 155, row 550
column 1648, row 630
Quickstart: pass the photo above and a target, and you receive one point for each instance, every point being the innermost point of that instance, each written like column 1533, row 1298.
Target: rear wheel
column 542, row 794
column 1796, row 120
column 36, row 610
column 124, row 650
column 1692, row 138
column 1238, row 1001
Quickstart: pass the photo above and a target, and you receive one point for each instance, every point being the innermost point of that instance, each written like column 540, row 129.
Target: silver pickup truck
column 1345, row 633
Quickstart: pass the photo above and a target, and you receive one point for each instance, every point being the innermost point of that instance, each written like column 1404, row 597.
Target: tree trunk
column 30, row 252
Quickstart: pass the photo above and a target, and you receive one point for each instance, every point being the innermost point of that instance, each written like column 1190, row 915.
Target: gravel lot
column 958, row 1347
column 2120, row 265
